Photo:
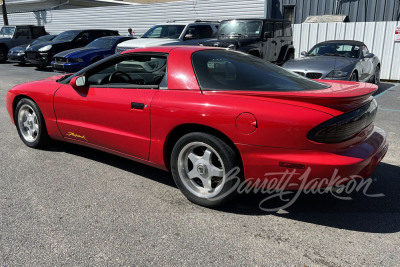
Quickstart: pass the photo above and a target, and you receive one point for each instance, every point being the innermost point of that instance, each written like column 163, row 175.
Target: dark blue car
column 76, row 59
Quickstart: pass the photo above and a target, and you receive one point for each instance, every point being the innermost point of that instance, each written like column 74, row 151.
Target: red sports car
column 200, row 112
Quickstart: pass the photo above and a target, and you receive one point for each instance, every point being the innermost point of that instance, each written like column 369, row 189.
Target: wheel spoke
column 207, row 184
column 193, row 174
column 216, row 172
column 207, row 156
column 193, row 158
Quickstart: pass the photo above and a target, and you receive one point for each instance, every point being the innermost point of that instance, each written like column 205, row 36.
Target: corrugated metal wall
column 378, row 36
column 357, row 10
column 139, row 17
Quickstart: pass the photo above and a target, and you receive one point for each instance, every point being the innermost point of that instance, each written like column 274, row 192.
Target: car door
column 366, row 63
column 279, row 39
column 112, row 111
column 269, row 41
column 22, row 36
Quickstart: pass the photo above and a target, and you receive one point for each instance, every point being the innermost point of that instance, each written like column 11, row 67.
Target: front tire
column 3, row 55
column 354, row 77
column 205, row 169
column 377, row 76
column 30, row 124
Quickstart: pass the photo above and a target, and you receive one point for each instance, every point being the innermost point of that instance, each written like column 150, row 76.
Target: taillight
column 345, row 126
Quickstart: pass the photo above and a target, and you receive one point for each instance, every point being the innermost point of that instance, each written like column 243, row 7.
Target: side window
column 279, row 29
column 288, row 30
column 200, row 31
column 37, row 32
column 84, row 37
column 22, row 33
column 94, row 35
column 269, row 30
column 139, row 71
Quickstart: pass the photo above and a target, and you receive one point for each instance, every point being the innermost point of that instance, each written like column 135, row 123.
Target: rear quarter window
column 233, row 71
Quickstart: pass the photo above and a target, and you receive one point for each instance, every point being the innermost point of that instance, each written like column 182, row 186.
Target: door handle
column 135, row 105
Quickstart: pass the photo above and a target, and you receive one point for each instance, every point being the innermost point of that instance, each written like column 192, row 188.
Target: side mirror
column 304, row 53
column 268, row 34
column 78, row 82
column 369, row 55
column 188, row 36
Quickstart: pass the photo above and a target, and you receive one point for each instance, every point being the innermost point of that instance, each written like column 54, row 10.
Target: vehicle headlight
column 337, row 74
column 232, row 47
column 77, row 60
column 45, row 48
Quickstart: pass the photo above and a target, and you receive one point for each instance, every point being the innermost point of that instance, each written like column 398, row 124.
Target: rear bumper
column 317, row 169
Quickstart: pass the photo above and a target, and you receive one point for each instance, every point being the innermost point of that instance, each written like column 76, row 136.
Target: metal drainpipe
column 4, row 11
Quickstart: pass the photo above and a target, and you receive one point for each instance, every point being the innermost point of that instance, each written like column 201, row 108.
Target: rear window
column 234, row 71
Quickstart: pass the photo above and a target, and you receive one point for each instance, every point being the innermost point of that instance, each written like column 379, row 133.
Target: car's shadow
column 384, row 87
column 361, row 213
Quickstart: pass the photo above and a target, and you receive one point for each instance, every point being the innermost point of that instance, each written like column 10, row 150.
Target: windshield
column 240, row 28
column 7, row 31
column 102, row 43
column 164, row 31
column 233, row 71
column 335, row 49
column 43, row 39
column 67, row 36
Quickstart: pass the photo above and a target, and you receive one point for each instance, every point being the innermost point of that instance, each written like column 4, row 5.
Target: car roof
column 187, row 22
column 167, row 49
column 271, row 20
column 115, row 37
column 352, row 42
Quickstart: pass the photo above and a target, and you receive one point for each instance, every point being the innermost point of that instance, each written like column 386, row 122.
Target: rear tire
column 30, row 124
column 203, row 168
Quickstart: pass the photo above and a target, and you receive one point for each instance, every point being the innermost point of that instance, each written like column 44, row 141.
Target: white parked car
column 173, row 33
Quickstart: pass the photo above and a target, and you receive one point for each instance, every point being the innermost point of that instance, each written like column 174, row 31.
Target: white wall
column 139, row 17
column 378, row 36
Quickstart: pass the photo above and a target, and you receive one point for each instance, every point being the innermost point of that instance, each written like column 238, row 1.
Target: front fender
column 42, row 93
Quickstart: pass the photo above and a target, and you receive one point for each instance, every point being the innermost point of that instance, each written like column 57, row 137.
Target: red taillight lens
column 345, row 126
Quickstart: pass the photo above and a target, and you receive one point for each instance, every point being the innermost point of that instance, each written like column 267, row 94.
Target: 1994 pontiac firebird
column 200, row 112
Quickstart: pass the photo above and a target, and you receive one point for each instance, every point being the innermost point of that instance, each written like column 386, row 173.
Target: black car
column 269, row 39
column 42, row 54
column 17, row 54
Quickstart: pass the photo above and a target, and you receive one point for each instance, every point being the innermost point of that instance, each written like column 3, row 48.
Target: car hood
column 80, row 52
column 145, row 42
column 319, row 63
column 20, row 48
column 226, row 42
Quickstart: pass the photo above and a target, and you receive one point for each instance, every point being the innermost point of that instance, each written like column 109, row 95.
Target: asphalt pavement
column 75, row 206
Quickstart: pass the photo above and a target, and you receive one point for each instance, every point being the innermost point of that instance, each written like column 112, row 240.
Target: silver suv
column 173, row 33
